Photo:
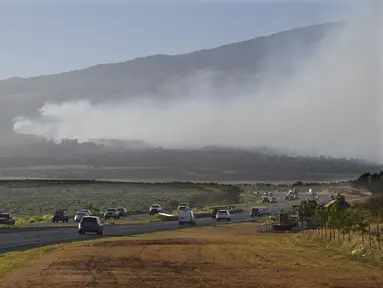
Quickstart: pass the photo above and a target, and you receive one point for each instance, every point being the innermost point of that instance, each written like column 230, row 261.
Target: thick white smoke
column 330, row 106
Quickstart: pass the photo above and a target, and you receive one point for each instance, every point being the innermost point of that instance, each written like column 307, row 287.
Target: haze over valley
column 310, row 91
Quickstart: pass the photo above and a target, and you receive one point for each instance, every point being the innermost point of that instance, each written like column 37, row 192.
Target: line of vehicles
column 185, row 213
column 61, row 215
column 93, row 224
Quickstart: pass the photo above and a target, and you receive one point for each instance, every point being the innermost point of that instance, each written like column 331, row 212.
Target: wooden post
column 378, row 234
column 369, row 234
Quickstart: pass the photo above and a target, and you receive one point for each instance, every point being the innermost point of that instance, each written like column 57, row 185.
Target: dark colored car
column 7, row 219
column 91, row 224
column 60, row 215
column 122, row 212
column 266, row 200
column 255, row 212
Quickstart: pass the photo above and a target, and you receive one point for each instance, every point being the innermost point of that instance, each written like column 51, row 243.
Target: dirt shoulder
column 221, row 256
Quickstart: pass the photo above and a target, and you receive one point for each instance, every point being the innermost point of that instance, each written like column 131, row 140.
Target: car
column 60, row 215
column 86, row 211
column 223, row 215
column 273, row 200
column 289, row 197
column 266, row 199
column 215, row 210
column 7, row 219
column 111, row 213
column 90, row 224
column 255, row 212
column 155, row 209
column 182, row 208
column 79, row 215
column 122, row 211
column 265, row 211
column 186, row 217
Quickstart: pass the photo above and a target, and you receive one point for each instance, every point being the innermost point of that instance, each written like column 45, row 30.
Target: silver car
column 111, row 213
column 91, row 224
column 79, row 215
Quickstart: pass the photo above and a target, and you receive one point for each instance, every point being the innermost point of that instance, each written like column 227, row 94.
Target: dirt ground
column 222, row 256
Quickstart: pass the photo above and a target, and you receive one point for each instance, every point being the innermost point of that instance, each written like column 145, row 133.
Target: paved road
column 46, row 224
column 19, row 241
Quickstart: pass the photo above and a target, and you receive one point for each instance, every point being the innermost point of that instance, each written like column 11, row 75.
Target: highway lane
column 49, row 224
column 19, row 241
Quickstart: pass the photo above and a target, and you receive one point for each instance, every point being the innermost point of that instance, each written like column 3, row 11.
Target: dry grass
column 221, row 256
column 368, row 246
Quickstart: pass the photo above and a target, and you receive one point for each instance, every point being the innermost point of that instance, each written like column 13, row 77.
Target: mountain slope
column 148, row 75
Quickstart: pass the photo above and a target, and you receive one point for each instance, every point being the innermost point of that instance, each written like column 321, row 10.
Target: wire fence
column 371, row 237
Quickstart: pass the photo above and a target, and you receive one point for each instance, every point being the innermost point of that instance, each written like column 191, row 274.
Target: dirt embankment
column 223, row 256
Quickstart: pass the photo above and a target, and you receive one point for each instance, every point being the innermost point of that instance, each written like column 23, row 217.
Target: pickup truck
column 7, row 219
column 111, row 213
column 60, row 215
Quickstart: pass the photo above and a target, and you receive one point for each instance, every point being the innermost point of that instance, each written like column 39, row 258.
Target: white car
column 79, row 215
column 111, row 213
column 86, row 211
column 186, row 217
column 154, row 209
column 223, row 215
column 182, row 208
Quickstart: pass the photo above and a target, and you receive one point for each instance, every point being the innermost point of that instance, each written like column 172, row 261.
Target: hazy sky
column 44, row 37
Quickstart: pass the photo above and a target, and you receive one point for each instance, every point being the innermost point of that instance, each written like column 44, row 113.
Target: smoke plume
column 331, row 106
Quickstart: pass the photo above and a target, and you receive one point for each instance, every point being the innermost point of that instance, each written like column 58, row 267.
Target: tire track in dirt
column 93, row 270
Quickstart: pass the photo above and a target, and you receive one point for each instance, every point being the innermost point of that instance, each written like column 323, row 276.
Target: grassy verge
column 353, row 245
column 13, row 260
column 216, row 255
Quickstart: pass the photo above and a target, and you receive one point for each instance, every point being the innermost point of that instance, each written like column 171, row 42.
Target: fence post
column 369, row 234
column 378, row 234
column 349, row 236
column 334, row 231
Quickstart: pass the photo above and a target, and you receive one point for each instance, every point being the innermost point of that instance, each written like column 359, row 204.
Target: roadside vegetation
column 26, row 199
column 233, row 255
column 357, row 230
column 34, row 201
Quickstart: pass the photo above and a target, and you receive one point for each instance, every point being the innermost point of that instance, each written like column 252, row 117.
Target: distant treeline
column 372, row 182
column 225, row 159
column 204, row 164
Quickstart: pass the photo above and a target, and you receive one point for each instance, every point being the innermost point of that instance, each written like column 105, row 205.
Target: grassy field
column 35, row 201
column 31, row 198
column 221, row 256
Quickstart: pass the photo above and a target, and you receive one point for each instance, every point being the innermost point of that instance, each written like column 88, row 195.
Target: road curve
column 20, row 241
